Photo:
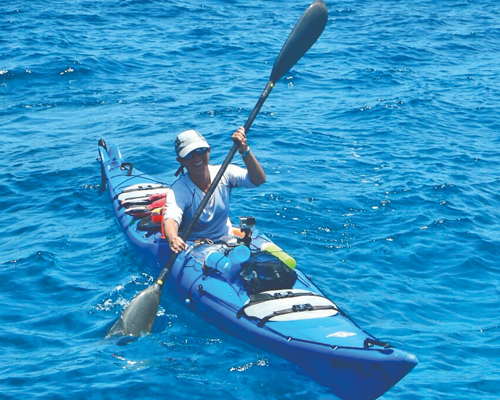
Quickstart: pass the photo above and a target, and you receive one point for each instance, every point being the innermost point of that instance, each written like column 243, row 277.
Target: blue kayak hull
column 320, row 339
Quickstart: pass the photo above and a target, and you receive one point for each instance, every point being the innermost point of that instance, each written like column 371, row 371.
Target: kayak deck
column 297, row 323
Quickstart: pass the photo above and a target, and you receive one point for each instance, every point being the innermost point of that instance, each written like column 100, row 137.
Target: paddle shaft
column 192, row 223
column 303, row 36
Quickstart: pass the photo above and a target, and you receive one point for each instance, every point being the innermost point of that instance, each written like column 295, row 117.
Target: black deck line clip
column 374, row 342
column 124, row 167
column 280, row 295
column 302, row 307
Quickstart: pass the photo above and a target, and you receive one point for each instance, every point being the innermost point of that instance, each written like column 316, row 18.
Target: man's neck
column 202, row 180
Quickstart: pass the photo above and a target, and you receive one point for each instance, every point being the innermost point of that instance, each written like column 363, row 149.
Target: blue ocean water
column 382, row 152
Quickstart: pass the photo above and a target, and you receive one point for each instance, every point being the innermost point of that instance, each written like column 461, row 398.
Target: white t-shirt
column 185, row 197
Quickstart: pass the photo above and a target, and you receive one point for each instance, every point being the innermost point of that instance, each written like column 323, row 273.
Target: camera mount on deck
column 246, row 226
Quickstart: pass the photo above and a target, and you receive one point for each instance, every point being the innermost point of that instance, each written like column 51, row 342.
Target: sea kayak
column 248, row 287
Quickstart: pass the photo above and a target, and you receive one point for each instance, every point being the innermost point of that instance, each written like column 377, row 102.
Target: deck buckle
column 302, row 307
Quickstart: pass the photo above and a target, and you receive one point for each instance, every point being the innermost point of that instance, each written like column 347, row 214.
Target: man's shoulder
column 231, row 173
column 231, row 169
column 182, row 184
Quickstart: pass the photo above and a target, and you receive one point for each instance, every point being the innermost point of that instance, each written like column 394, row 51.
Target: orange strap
column 161, row 221
column 238, row 232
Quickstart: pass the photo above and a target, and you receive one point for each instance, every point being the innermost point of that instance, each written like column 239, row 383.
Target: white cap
column 188, row 141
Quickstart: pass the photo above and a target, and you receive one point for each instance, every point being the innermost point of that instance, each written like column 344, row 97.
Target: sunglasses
column 200, row 152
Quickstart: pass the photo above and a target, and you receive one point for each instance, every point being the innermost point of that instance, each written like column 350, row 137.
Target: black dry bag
column 263, row 272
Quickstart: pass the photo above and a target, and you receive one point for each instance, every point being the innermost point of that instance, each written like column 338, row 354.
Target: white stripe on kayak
column 342, row 334
column 265, row 308
column 142, row 193
column 142, row 186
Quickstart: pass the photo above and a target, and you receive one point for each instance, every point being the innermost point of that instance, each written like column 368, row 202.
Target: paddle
column 140, row 314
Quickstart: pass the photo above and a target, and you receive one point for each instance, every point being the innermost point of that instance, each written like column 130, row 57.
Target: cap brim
column 199, row 144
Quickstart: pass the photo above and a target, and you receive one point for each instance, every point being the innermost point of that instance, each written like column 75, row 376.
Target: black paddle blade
column 304, row 35
column 140, row 314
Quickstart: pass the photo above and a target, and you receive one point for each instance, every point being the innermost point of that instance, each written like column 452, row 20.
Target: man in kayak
column 193, row 153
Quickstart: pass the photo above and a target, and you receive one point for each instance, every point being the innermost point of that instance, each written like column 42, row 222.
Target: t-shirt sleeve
column 173, row 209
column 238, row 177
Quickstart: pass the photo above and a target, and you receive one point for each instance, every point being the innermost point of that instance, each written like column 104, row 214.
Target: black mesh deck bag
column 263, row 272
